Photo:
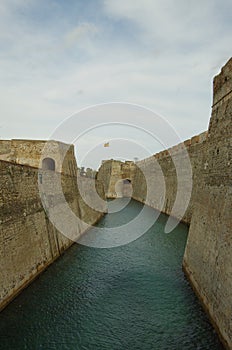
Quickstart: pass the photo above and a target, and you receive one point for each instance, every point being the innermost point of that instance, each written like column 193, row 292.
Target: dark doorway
column 48, row 164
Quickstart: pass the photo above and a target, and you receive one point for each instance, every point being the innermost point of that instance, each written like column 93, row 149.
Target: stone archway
column 48, row 164
column 123, row 188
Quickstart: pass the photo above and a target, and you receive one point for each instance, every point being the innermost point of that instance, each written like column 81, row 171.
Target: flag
column 107, row 144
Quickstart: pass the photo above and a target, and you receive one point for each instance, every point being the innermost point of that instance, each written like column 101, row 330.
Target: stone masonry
column 29, row 242
column 207, row 260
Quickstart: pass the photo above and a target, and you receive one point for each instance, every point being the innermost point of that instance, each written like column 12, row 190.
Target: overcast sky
column 59, row 56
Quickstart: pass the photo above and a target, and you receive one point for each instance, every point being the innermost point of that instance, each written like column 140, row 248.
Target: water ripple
column 130, row 297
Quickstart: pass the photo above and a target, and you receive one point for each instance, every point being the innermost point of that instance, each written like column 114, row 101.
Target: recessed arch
column 123, row 188
column 48, row 164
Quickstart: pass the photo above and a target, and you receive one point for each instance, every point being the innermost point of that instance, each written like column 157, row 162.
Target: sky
column 60, row 57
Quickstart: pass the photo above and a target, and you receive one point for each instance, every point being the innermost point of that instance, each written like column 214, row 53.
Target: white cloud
column 169, row 20
column 80, row 32
column 166, row 64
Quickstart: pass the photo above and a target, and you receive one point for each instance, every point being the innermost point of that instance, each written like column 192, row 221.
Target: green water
column 130, row 297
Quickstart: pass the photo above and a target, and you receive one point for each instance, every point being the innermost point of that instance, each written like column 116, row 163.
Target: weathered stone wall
column 29, row 242
column 104, row 175
column 207, row 260
column 91, row 200
column 155, row 181
column 5, row 149
column 111, row 173
column 32, row 153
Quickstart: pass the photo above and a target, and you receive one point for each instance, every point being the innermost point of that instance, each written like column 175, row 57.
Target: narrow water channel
column 133, row 297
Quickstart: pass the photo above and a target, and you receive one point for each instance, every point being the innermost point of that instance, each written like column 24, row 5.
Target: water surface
column 130, row 297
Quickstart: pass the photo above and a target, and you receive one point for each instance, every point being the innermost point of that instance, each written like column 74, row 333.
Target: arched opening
column 123, row 188
column 48, row 164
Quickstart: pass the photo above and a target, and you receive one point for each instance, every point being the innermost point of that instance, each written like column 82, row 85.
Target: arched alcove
column 48, row 164
column 123, row 188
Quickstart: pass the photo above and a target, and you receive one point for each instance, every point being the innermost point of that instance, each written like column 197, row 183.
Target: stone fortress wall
column 160, row 171
column 207, row 261
column 29, row 242
column 28, row 152
column 111, row 173
column 154, row 179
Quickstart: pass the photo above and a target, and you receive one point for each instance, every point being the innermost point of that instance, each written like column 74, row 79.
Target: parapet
column 187, row 144
column 57, row 155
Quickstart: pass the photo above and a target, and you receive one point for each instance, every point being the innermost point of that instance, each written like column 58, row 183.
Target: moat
column 130, row 297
